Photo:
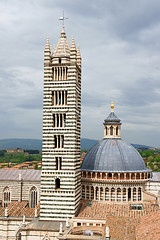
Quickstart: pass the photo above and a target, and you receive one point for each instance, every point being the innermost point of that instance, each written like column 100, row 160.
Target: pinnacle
column 78, row 52
column 63, row 34
column 73, row 46
column 47, row 47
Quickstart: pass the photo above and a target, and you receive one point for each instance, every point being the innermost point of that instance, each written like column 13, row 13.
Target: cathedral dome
column 113, row 155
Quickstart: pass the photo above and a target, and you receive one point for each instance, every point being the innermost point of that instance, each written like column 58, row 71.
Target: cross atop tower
column 63, row 18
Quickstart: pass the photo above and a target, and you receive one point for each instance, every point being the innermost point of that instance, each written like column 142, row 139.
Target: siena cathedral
column 104, row 197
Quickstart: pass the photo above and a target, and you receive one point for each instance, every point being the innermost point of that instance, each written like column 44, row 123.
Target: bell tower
column 61, row 177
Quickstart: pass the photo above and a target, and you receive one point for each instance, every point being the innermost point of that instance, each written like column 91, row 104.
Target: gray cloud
column 119, row 42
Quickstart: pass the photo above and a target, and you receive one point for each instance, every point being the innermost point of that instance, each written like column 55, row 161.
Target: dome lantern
column 112, row 125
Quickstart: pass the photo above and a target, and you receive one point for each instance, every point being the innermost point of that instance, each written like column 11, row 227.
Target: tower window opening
column 57, row 183
column 53, row 94
column 58, row 163
column 59, row 141
column 64, row 120
column 59, row 120
column 106, row 131
column 54, row 124
column 62, row 139
column 59, row 98
column 59, row 60
column 117, row 131
column 111, row 130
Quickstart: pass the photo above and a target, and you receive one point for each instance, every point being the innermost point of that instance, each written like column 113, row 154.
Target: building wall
column 153, row 187
column 20, row 190
column 9, row 227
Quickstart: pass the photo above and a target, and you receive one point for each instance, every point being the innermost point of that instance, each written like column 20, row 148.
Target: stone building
column 113, row 170
column 60, row 178
column 104, row 199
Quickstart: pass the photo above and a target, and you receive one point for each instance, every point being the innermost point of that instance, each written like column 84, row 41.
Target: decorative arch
column 133, row 176
column 18, row 234
column 109, row 176
column 137, row 176
column 84, row 174
column 103, row 175
column 6, row 196
column 111, row 130
column 98, row 175
column 122, row 176
column 33, row 197
column 89, row 174
column 115, row 176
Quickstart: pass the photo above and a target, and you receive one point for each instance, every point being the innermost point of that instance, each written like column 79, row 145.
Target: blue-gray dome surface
column 113, row 155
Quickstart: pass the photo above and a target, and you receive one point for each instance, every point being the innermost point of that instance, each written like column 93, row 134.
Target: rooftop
column 113, row 155
column 26, row 174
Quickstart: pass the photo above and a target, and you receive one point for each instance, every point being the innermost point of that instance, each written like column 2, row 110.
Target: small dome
column 113, row 155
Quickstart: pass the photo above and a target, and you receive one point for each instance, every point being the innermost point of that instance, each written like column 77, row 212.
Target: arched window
column 6, row 197
column 111, row 130
column 109, row 176
column 117, row 131
column 19, row 236
column 129, row 194
column 57, row 183
column 33, row 197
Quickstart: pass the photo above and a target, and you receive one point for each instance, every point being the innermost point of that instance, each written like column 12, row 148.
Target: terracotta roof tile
column 20, row 209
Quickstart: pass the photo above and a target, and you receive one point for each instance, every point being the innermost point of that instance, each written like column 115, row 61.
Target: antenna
column 63, row 18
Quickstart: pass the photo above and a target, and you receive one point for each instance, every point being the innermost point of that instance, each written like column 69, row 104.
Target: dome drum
column 115, row 176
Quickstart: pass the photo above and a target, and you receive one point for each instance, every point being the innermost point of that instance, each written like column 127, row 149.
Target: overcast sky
column 120, row 48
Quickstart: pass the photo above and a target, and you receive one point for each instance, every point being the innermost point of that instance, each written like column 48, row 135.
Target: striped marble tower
column 61, row 179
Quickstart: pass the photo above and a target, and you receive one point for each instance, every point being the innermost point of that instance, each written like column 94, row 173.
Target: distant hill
column 21, row 143
column 37, row 144
column 87, row 143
